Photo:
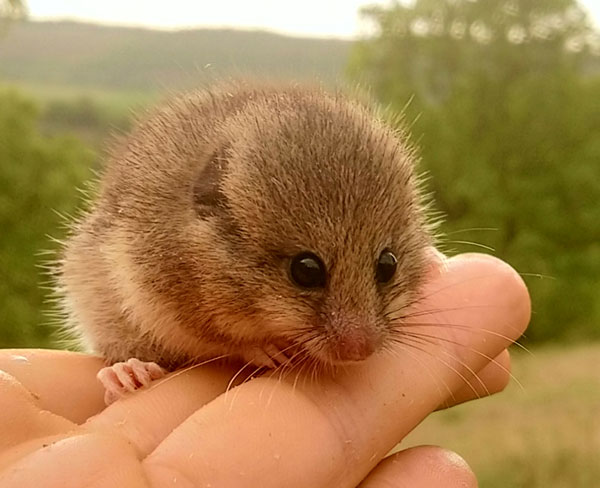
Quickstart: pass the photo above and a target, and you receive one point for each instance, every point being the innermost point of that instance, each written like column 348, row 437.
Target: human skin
column 273, row 431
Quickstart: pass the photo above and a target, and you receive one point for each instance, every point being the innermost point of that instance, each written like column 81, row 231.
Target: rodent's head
column 307, row 229
column 317, row 201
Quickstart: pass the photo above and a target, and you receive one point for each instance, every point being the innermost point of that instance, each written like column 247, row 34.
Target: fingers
column 421, row 467
column 470, row 325
column 493, row 378
column 21, row 417
column 40, row 448
column 149, row 415
column 88, row 459
column 342, row 427
column 63, row 382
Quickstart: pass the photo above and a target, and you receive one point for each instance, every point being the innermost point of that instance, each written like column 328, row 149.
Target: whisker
column 428, row 339
column 470, row 243
column 287, row 367
column 185, row 369
column 494, row 229
column 315, row 365
column 236, row 375
column 479, row 353
column 423, row 297
column 434, row 311
column 458, row 373
column 236, row 390
column 303, row 363
column 539, row 275
column 404, row 325
column 406, row 348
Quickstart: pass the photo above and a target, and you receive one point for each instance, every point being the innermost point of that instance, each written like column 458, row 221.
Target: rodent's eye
column 386, row 266
column 308, row 271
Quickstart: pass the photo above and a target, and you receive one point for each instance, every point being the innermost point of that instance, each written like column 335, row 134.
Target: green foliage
column 38, row 175
column 505, row 103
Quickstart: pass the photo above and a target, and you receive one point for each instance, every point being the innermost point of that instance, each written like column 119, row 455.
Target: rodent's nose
column 355, row 345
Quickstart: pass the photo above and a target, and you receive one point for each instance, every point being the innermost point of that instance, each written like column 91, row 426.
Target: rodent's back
column 181, row 255
column 139, row 191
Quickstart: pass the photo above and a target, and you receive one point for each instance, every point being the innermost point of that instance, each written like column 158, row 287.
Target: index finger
column 63, row 382
column 266, row 433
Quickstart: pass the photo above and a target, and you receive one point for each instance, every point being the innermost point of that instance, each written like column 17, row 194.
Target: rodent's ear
column 208, row 194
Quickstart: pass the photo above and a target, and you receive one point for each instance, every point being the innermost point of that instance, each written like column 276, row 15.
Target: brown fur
column 185, row 254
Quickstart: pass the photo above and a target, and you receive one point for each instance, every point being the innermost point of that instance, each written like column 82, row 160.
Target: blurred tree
column 505, row 101
column 12, row 9
column 38, row 175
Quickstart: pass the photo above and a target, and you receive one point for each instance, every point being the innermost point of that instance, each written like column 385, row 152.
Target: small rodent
column 249, row 220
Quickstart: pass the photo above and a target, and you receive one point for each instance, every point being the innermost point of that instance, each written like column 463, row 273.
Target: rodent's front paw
column 269, row 356
column 126, row 377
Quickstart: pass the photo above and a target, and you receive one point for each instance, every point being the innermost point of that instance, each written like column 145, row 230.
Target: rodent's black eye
column 386, row 266
column 308, row 271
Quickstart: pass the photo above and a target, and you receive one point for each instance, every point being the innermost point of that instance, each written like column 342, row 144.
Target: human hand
column 269, row 432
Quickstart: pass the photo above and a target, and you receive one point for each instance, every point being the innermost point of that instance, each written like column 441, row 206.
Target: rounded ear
column 209, row 198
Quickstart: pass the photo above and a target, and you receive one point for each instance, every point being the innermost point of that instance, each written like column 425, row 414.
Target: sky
column 319, row 18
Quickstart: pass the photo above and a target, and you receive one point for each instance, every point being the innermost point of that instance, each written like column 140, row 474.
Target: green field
column 544, row 435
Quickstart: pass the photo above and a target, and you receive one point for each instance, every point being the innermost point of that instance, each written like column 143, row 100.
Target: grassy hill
column 92, row 57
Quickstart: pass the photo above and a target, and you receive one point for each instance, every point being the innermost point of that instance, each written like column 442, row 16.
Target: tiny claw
column 269, row 356
column 126, row 377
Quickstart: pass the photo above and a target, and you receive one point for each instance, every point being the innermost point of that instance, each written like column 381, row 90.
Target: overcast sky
column 336, row 18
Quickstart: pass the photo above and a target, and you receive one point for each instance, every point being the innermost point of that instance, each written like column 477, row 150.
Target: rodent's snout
column 346, row 335
column 352, row 342
column 356, row 344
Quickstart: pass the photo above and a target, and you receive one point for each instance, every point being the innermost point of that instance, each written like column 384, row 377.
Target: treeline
column 72, row 54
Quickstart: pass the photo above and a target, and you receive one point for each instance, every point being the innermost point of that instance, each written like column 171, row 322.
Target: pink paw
column 269, row 356
column 122, row 378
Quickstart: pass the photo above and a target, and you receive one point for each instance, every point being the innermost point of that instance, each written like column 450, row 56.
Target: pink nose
column 354, row 345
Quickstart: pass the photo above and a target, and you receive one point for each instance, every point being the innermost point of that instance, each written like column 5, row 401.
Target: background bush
column 503, row 98
column 38, row 177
